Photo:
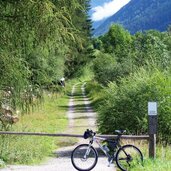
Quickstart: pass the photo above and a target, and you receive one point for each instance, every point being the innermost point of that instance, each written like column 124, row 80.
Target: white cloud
column 108, row 9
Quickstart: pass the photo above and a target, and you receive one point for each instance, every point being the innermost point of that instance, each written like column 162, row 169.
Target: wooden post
column 152, row 128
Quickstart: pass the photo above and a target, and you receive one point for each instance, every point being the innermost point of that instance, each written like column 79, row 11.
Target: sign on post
column 152, row 127
column 152, row 113
column 152, row 108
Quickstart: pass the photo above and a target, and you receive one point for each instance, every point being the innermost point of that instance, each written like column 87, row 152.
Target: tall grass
column 161, row 163
column 50, row 118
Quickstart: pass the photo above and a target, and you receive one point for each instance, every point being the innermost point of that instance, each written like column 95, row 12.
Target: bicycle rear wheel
column 128, row 156
column 84, row 158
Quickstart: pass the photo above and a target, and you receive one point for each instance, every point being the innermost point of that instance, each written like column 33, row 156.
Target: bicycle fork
column 87, row 152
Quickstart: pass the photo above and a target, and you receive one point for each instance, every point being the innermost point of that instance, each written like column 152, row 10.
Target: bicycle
column 84, row 157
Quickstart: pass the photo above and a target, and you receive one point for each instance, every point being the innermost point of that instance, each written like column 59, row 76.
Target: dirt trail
column 81, row 116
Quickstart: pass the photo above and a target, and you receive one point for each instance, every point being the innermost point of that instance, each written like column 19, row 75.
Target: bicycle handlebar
column 89, row 133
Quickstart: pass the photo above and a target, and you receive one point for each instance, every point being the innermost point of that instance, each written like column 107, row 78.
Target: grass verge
column 49, row 117
column 161, row 163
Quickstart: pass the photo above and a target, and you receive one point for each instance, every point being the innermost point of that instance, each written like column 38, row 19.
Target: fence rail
column 152, row 143
column 135, row 137
column 40, row 134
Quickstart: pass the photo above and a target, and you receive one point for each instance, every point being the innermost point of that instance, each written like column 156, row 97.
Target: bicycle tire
column 128, row 156
column 78, row 160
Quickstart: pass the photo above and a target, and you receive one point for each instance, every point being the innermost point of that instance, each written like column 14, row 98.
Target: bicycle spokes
column 84, row 157
column 128, row 157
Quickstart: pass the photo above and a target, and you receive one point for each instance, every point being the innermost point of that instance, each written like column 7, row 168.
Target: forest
column 42, row 41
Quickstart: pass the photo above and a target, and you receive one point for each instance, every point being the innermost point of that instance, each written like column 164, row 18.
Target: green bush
column 125, row 105
column 95, row 91
column 104, row 68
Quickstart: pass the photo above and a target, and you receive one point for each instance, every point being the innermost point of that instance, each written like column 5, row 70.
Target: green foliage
column 95, row 92
column 117, row 40
column 146, row 49
column 126, row 104
column 149, row 47
column 134, row 70
column 40, row 42
column 104, row 68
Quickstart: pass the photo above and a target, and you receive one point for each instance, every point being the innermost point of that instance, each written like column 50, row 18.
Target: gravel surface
column 81, row 116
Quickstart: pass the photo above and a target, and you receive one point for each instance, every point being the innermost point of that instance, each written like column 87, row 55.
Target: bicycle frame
column 98, row 141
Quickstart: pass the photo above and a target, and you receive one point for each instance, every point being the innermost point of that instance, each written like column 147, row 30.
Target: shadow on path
column 67, row 153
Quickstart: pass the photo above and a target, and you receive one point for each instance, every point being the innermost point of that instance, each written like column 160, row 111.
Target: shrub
column 125, row 105
column 104, row 68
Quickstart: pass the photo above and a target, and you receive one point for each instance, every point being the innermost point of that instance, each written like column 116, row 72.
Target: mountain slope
column 140, row 15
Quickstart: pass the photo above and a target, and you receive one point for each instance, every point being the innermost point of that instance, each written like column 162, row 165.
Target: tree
column 37, row 39
column 118, row 41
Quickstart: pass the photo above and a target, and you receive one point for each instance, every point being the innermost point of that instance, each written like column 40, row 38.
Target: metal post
column 152, row 128
column 152, row 146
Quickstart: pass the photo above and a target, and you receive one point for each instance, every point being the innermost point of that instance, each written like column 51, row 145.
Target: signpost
column 152, row 128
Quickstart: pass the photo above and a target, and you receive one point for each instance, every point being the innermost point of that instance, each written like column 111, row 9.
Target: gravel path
column 81, row 116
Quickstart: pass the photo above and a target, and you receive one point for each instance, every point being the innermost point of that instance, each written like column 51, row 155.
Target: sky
column 107, row 9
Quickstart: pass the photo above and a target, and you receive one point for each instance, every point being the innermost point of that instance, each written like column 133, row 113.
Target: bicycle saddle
column 120, row 131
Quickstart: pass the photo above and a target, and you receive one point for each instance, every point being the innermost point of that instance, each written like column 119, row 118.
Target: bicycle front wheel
column 128, row 156
column 84, row 157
